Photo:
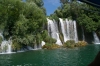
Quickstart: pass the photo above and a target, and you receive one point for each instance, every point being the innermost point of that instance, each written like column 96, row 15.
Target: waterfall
column 42, row 43
column 9, row 45
column 69, row 30
column 53, row 30
column 5, row 45
column 58, row 40
column 75, row 32
column 83, row 34
column 63, row 29
column 96, row 38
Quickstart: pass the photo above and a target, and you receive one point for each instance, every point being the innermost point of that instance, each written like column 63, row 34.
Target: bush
column 16, row 46
column 72, row 44
column 1, row 39
column 50, row 46
column 69, row 44
column 47, row 38
column 81, row 43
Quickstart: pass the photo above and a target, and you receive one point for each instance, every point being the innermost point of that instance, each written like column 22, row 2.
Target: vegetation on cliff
column 23, row 21
column 85, row 15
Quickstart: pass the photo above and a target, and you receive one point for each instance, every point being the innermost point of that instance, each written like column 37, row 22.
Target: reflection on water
column 58, row 57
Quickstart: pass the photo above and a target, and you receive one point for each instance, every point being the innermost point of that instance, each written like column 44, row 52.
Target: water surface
column 58, row 57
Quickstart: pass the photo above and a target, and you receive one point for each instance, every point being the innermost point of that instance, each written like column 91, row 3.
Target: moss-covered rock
column 50, row 46
column 81, row 43
column 72, row 44
column 69, row 44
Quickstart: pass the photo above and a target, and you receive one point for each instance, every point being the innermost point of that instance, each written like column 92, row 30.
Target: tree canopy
column 22, row 21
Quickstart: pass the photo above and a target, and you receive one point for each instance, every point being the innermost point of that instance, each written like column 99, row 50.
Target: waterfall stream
column 96, row 38
column 53, row 31
column 68, row 29
column 83, row 34
column 63, row 29
column 5, row 45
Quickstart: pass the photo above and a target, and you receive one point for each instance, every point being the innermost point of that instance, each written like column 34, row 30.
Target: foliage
column 69, row 44
column 81, row 43
column 47, row 38
column 1, row 39
column 22, row 20
column 16, row 46
column 72, row 44
column 85, row 15
column 50, row 46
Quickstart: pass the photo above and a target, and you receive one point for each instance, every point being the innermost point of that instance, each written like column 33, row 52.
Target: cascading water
column 63, row 29
column 96, row 39
column 53, row 31
column 83, row 34
column 9, row 45
column 58, row 40
column 5, row 45
column 69, row 30
column 75, row 31
column 42, row 43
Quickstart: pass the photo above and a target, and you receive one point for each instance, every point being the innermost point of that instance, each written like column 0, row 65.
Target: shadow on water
column 58, row 57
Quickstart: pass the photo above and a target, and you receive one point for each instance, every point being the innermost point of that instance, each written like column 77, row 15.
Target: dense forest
column 25, row 21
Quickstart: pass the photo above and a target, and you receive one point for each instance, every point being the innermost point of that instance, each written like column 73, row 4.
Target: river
column 57, row 57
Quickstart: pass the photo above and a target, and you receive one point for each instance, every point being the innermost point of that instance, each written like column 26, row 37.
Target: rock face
column 96, row 61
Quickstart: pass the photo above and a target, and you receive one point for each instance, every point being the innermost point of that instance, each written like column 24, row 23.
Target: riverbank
column 67, row 44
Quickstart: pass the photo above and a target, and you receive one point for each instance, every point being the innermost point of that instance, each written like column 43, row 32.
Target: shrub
column 16, row 46
column 81, row 43
column 69, row 44
column 47, row 38
column 50, row 46
column 1, row 39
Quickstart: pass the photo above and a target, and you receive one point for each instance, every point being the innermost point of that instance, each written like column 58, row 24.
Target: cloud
column 53, row 2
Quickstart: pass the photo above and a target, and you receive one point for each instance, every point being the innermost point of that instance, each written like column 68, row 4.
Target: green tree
column 22, row 20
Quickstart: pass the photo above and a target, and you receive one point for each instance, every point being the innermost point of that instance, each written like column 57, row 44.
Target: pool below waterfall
column 57, row 57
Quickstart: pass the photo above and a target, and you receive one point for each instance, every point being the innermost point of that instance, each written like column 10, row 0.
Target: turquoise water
column 58, row 57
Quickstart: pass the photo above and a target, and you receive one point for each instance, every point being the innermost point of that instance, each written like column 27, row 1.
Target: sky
column 51, row 6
